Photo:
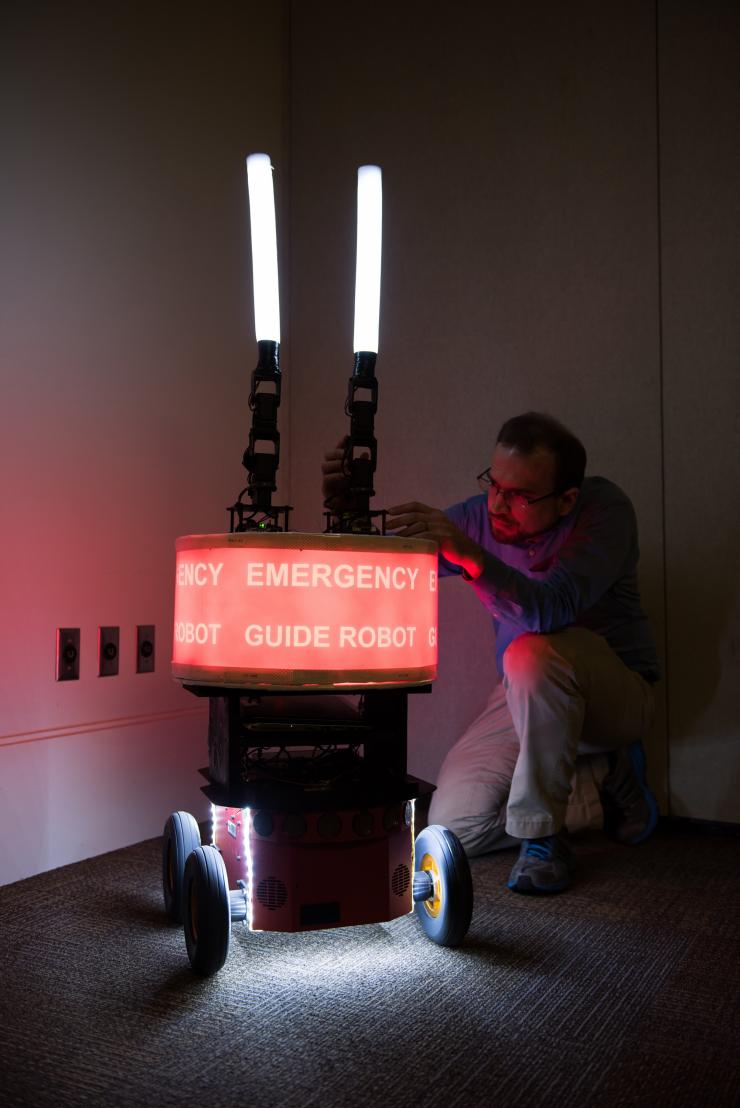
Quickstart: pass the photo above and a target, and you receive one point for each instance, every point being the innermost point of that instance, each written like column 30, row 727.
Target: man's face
column 529, row 475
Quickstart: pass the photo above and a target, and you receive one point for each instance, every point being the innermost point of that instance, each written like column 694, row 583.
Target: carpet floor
column 622, row 991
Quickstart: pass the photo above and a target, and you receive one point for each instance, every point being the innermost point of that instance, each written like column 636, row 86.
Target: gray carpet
column 624, row 991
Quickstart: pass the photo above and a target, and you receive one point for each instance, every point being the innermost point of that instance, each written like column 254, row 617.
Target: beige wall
column 700, row 206
column 523, row 266
column 562, row 231
column 519, row 151
column 126, row 345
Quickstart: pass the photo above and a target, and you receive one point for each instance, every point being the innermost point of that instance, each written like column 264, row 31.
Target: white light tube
column 369, row 238
column 264, row 248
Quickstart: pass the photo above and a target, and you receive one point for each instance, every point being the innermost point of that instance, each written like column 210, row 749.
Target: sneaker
column 630, row 809
column 543, row 866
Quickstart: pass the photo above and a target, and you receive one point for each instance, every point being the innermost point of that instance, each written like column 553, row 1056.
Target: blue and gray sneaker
column 544, row 865
column 630, row 809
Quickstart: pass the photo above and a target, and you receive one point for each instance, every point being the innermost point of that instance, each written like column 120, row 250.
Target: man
column 553, row 557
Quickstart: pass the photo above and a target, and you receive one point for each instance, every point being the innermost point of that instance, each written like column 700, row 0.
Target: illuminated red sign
column 294, row 609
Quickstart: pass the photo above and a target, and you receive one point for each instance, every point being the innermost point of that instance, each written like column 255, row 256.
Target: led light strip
column 413, row 854
column 247, row 838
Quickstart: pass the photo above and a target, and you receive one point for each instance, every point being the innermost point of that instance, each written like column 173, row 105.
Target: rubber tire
column 180, row 838
column 450, row 926
column 206, row 910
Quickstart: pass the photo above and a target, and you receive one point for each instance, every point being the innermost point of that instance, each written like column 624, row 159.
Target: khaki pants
column 534, row 758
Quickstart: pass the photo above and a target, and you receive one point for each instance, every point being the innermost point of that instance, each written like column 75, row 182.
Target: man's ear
column 567, row 501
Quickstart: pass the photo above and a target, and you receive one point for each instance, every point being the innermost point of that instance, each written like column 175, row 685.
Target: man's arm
column 419, row 521
column 599, row 550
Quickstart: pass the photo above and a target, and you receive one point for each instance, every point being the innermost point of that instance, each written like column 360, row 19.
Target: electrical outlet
column 68, row 654
column 145, row 648
column 107, row 651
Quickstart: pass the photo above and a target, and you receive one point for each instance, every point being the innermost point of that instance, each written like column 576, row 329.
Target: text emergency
column 314, row 575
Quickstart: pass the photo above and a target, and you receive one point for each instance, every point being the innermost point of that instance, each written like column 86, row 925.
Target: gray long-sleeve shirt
column 582, row 572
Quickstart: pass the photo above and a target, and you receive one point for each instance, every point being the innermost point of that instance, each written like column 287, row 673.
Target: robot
column 307, row 648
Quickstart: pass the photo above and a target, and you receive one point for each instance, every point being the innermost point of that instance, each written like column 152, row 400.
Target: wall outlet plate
column 68, row 654
column 107, row 651
column 145, row 648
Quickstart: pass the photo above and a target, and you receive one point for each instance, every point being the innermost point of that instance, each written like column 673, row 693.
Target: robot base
column 312, row 827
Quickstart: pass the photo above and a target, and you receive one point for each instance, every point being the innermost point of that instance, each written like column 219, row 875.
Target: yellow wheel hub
column 434, row 904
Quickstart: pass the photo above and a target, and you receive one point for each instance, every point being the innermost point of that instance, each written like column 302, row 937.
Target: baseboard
column 685, row 825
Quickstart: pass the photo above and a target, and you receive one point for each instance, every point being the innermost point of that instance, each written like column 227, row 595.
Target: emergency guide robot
column 307, row 647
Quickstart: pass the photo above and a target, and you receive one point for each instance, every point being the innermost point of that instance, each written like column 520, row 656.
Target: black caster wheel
column 443, row 887
column 181, row 836
column 206, row 910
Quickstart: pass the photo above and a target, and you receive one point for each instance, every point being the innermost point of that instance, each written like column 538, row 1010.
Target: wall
column 700, row 205
column 126, row 345
column 521, row 265
column 539, row 213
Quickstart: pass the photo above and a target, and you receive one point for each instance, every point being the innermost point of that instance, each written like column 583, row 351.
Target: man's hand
column 334, row 481
column 419, row 521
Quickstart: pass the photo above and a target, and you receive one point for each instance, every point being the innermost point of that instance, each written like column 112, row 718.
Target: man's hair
column 535, row 430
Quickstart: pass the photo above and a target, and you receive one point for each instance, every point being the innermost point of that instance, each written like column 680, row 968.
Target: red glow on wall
column 294, row 609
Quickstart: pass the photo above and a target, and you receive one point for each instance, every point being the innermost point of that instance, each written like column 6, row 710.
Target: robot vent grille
column 272, row 893
column 400, row 880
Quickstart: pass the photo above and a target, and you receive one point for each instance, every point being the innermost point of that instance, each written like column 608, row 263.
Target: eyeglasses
column 511, row 497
